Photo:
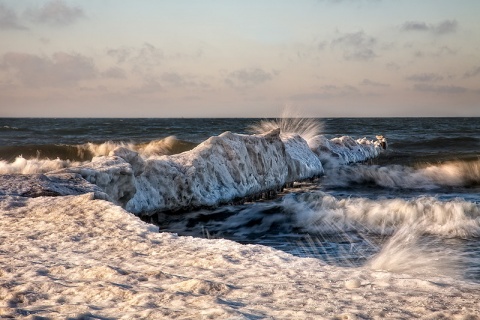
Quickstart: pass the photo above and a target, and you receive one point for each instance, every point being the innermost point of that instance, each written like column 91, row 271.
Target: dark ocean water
column 427, row 181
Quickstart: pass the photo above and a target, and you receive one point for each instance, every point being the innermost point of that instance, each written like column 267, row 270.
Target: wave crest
column 449, row 174
column 32, row 166
column 322, row 213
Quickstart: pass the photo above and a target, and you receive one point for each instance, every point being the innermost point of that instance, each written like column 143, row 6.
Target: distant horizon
column 224, row 59
column 335, row 117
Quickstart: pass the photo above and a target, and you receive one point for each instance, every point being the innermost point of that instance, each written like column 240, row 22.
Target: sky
column 249, row 58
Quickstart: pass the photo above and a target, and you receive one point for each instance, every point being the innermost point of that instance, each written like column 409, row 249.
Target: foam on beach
column 76, row 257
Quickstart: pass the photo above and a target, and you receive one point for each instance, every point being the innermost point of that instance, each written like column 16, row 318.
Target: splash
column 318, row 213
column 32, row 166
column 167, row 146
column 290, row 123
column 407, row 251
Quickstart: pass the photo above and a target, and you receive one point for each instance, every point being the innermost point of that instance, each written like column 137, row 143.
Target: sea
column 419, row 198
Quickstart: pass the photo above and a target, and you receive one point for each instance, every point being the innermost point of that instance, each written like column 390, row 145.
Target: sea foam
column 320, row 213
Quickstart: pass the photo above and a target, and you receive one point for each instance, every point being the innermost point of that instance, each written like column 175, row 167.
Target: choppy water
column 424, row 190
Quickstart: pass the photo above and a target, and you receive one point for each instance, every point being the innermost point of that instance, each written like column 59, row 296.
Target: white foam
column 74, row 257
column 166, row 146
column 32, row 166
column 317, row 212
column 449, row 174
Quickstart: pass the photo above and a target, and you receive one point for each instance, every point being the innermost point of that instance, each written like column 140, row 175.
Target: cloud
column 248, row 77
column 423, row 87
column 327, row 92
column 150, row 85
column 443, row 27
column 472, row 73
column 447, row 26
column 368, row 82
column 114, row 73
column 415, row 26
column 61, row 69
column 55, row 12
column 142, row 60
column 424, row 77
column 176, row 79
column 9, row 19
column 356, row 46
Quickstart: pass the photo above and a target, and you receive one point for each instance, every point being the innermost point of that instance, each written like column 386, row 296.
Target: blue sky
column 323, row 58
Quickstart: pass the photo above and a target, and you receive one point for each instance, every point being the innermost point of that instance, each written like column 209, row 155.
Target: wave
column 45, row 157
column 459, row 173
column 146, row 177
column 321, row 213
column 167, row 146
column 8, row 128
column 31, row 166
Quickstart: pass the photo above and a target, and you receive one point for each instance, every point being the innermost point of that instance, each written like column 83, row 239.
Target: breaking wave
column 449, row 174
column 30, row 166
column 167, row 146
column 320, row 214
column 31, row 159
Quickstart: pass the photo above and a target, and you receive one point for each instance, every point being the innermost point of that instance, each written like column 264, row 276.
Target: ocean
column 427, row 182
